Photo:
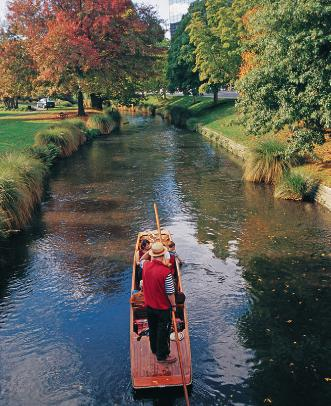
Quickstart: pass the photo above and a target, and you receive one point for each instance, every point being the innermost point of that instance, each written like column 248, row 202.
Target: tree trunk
column 96, row 101
column 195, row 94
column 11, row 103
column 215, row 91
column 81, row 110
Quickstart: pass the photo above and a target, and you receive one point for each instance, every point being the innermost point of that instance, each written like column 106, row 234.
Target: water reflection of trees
column 289, row 327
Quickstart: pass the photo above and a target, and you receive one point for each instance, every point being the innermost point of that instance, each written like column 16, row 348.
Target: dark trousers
column 159, row 323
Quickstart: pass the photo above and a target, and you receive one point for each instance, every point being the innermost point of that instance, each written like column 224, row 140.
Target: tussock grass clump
column 77, row 127
column 101, row 122
column 9, row 203
column 147, row 108
column 46, row 153
column 21, row 187
column 22, row 173
column 59, row 140
column 268, row 162
column 75, row 122
column 152, row 109
column 295, row 186
column 64, row 137
column 3, row 223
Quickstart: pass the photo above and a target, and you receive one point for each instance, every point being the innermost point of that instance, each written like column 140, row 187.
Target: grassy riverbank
column 18, row 129
column 222, row 119
column 23, row 169
column 28, row 148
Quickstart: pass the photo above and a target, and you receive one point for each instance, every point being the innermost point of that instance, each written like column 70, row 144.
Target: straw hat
column 157, row 250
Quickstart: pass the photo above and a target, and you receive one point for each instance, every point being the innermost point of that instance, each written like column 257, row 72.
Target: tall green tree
column 215, row 30
column 181, row 71
column 157, row 82
column 207, row 49
column 226, row 20
column 288, row 83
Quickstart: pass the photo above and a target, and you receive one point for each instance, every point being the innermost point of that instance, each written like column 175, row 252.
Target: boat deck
column 148, row 373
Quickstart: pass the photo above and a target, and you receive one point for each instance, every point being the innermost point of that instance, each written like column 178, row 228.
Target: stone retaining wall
column 324, row 196
column 231, row 146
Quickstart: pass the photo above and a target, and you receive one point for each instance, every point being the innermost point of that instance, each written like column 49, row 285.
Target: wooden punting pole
column 157, row 221
column 180, row 358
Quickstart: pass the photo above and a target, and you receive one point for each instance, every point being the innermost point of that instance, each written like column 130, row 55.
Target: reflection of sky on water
column 216, row 298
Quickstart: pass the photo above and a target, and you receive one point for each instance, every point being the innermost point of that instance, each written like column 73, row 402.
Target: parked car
column 45, row 103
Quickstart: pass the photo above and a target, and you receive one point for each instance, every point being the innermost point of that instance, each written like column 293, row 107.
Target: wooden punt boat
column 146, row 372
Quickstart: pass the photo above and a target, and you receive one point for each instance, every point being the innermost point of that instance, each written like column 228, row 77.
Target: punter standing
column 159, row 292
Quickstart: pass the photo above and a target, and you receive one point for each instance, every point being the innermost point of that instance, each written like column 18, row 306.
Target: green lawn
column 17, row 128
column 223, row 119
column 18, row 134
column 184, row 101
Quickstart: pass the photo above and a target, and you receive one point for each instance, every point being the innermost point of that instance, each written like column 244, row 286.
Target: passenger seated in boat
column 171, row 258
column 144, row 248
column 172, row 251
column 143, row 252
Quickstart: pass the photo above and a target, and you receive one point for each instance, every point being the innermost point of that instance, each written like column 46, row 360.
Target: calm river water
column 257, row 276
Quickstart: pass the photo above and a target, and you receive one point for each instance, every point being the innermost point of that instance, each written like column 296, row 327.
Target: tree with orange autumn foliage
column 86, row 45
column 17, row 70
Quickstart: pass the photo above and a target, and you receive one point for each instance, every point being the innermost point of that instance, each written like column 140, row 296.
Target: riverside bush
column 295, row 186
column 114, row 115
column 267, row 162
column 22, row 173
column 101, row 122
column 3, row 222
column 147, row 108
column 152, row 109
column 77, row 127
column 177, row 115
column 75, row 122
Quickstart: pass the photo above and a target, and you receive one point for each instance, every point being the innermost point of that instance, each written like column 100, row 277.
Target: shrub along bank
column 22, row 173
